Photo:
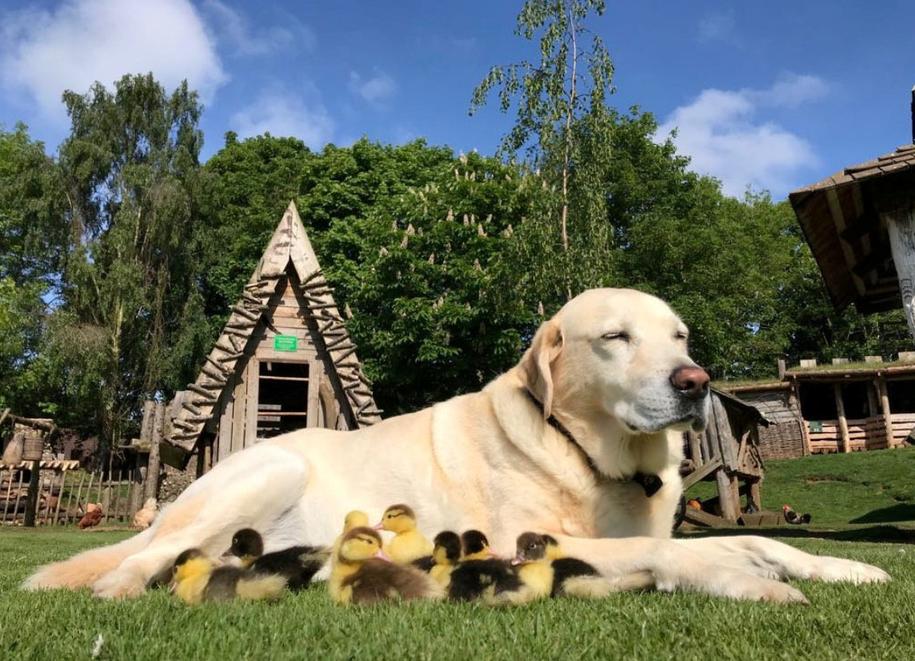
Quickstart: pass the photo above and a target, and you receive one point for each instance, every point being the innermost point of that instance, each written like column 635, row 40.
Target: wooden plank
column 730, row 509
column 838, row 218
column 900, row 225
column 251, row 377
column 32, row 496
column 695, row 449
column 885, row 409
column 314, row 392
column 700, row 518
column 154, row 463
column 224, row 438
column 725, row 439
column 60, row 495
column 238, row 415
column 700, row 473
column 844, row 441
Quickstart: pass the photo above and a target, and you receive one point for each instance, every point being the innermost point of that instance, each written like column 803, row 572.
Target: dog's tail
column 85, row 568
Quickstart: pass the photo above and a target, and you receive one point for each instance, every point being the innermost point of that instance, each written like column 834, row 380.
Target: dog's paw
column 752, row 588
column 119, row 585
column 836, row 570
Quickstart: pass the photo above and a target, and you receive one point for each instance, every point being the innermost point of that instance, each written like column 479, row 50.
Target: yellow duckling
column 361, row 574
column 197, row 579
column 408, row 544
column 572, row 576
column 446, row 553
column 353, row 519
column 475, row 546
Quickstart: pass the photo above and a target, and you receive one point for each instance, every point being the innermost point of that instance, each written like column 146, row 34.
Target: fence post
column 31, row 500
column 151, row 488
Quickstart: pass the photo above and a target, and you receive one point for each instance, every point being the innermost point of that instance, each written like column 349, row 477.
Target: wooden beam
column 885, row 410
column 700, row 518
column 844, row 440
column 900, row 225
column 838, row 218
column 730, row 507
column 695, row 450
column 701, row 473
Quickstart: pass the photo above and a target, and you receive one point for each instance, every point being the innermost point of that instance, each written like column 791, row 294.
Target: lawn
column 842, row 621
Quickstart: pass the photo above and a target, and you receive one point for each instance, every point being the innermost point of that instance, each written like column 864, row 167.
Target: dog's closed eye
column 616, row 335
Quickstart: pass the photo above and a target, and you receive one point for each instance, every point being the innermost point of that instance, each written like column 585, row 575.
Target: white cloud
column 723, row 137
column 44, row 52
column 283, row 113
column 235, row 31
column 377, row 89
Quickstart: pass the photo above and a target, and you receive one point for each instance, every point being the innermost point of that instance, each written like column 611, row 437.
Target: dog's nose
column 690, row 380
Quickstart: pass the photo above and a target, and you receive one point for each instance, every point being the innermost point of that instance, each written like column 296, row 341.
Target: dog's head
column 619, row 354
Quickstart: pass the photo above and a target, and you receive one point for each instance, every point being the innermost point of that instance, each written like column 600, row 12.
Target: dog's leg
column 85, row 568
column 677, row 567
column 210, row 518
column 768, row 557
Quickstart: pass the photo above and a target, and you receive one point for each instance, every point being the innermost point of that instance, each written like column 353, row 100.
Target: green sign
column 285, row 343
column 815, row 426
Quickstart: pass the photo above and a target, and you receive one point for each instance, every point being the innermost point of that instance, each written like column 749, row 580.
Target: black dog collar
column 650, row 483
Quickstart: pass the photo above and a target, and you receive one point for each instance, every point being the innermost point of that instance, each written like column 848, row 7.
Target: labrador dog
column 581, row 440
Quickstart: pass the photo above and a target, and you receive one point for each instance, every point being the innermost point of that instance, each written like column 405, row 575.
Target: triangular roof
column 289, row 248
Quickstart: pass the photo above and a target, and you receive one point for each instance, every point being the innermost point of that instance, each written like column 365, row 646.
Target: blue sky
column 774, row 95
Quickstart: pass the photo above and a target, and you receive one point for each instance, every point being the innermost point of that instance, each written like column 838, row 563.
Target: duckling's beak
column 381, row 555
column 378, row 526
column 517, row 560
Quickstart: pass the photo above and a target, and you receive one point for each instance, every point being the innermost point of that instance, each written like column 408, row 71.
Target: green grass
column 841, row 490
column 842, row 622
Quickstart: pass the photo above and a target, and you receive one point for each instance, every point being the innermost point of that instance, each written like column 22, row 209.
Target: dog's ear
column 536, row 365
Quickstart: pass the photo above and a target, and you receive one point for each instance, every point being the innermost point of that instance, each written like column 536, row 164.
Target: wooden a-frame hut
column 284, row 361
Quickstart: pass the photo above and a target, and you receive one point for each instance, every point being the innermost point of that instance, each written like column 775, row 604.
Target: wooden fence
column 863, row 434
column 63, row 491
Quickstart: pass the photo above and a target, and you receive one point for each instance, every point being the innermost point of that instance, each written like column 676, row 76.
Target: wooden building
column 728, row 453
column 843, row 407
column 860, row 224
column 284, row 361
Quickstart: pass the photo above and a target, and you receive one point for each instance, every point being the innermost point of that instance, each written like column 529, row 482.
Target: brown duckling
column 297, row 563
column 197, row 579
column 446, row 553
column 362, row 575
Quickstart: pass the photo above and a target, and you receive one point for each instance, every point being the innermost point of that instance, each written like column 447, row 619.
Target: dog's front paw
column 835, row 570
column 753, row 588
column 119, row 584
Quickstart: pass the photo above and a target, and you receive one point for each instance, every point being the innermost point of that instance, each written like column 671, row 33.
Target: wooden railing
column 863, row 434
column 63, row 491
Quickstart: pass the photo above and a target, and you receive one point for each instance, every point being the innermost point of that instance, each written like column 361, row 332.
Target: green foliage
column 431, row 282
column 129, row 167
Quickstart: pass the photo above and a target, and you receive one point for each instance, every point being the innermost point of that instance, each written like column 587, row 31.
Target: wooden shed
column 785, row 435
column 860, row 224
column 728, row 453
column 284, row 361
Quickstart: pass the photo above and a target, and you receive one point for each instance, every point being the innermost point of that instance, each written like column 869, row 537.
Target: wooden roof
column 289, row 249
column 840, row 219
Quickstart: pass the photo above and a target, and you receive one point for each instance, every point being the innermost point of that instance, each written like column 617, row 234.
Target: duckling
column 408, row 543
column 479, row 572
column 535, row 575
column 475, row 546
column 361, row 574
column 198, row 579
column 446, row 553
column 572, row 576
column 297, row 563
column 353, row 519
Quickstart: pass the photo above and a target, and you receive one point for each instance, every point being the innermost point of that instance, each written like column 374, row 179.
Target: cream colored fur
column 488, row 460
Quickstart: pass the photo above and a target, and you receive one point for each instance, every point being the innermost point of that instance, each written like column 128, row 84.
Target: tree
column 32, row 239
column 563, row 126
column 129, row 168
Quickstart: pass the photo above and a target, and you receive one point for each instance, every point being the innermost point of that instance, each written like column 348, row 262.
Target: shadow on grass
column 868, row 534
column 898, row 512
